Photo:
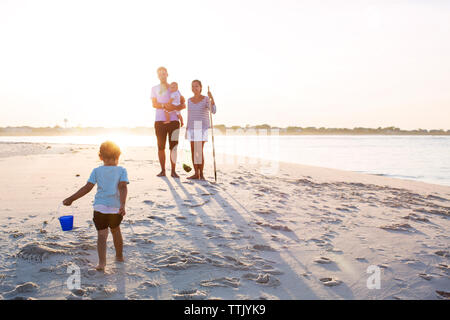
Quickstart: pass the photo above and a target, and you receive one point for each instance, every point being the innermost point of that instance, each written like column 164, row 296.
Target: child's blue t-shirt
column 107, row 179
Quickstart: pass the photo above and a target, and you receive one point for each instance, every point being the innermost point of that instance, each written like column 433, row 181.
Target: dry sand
column 304, row 233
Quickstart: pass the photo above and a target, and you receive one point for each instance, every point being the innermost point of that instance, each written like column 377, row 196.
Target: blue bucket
column 66, row 222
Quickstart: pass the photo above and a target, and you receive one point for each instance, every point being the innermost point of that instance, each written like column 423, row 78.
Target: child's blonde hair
column 109, row 150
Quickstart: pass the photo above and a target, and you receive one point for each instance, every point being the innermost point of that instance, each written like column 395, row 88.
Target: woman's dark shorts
column 162, row 130
column 104, row 220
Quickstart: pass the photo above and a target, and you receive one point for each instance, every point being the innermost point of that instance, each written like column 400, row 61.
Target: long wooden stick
column 212, row 136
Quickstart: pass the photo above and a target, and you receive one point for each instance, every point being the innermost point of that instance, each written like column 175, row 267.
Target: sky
column 282, row 62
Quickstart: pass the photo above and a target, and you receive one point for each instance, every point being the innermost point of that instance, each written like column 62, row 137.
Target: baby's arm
column 123, row 191
column 80, row 193
column 180, row 107
column 169, row 107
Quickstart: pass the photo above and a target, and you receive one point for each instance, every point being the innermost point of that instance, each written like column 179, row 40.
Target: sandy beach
column 303, row 233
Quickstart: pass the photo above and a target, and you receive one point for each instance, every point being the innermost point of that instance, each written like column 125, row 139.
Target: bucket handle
column 59, row 209
column 57, row 212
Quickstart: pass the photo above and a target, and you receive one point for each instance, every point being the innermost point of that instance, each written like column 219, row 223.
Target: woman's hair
column 109, row 150
column 199, row 82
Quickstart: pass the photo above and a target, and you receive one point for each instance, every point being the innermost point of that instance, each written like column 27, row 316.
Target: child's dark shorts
column 104, row 220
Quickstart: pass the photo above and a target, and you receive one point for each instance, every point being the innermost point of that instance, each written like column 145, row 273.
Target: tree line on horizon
column 221, row 129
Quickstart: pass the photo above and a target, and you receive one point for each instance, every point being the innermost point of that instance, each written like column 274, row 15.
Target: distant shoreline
column 222, row 130
column 281, row 134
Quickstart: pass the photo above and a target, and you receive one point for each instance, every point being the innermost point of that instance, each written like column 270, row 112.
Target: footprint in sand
column 343, row 209
column 38, row 252
column 443, row 267
column 398, row 227
column 27, row 287
column 264, row 211
column 433, row 197
column 141, row 241
column 426, row 276
column 328, row 220
column 100, row 292
column 156, row 218
column 443, row 294
column 16, row 234
column 263, row 247
column 81, row 261
column 148, row 284
column 165, row 206
column 271, row 270
column 319, row 242
column 323, row 260
column 415, row 217
column 442, row 253
column 73, row 297
column 263, row 278
column 274, row 227
column 177, row 260
column 330, row 282
column 334, row 250
column 221, row 282
column 159, row 206
column 194, row 204
column 401, row 283
column 76, row 294
column 194, row 294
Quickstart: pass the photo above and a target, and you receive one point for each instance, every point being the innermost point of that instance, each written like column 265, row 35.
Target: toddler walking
column 109, row 203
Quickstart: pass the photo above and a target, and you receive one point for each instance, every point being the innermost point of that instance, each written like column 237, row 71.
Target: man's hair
column 161, row 68
column 109, row 150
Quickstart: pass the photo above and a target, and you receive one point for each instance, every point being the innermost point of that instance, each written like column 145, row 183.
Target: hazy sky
column 283, row 62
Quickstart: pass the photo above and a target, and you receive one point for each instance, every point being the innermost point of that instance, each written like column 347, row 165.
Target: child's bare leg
column 101, row 248
column 193, row 154
column 118, row 243
column 181, row 119
column 201, row 166
column 167, row 116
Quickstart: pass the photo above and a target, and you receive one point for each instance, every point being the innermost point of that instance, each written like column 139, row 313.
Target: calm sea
column 423, row 158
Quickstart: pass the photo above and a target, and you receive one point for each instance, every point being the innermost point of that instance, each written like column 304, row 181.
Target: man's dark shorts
column 104, row 220
column 164, row 130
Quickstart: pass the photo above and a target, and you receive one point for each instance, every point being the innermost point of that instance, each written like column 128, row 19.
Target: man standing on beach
column 160, row 100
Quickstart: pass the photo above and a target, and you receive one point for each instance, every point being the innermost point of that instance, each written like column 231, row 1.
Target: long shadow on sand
column 240, row 222
column 343, row 290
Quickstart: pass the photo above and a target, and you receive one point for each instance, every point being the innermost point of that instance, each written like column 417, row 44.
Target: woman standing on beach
column 197, row 126
column 160, row 99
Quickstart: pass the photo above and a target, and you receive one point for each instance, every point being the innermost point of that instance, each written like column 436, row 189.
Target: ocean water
column 422, row 158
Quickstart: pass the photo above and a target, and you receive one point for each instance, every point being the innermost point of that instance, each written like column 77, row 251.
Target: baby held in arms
column 175, row 96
